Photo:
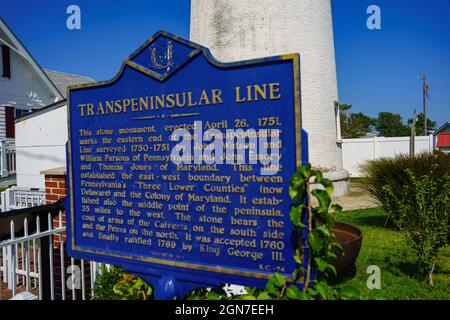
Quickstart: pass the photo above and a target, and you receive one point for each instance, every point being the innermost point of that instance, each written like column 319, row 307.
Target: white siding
column 40, row 145
column 2, row 123
column 25, row 89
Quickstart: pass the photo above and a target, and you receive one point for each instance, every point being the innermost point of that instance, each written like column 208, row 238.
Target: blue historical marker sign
column 179, row 167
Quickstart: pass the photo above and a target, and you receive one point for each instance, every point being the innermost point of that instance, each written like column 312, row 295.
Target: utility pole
column 412, row 140
column 425, row 95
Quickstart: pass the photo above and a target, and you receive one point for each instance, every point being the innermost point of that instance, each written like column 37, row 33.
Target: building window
column 9, row 121
column 21, row 112
column 11, row 113
column 6, row 62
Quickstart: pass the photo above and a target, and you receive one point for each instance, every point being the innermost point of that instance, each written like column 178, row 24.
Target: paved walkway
column 357, row 198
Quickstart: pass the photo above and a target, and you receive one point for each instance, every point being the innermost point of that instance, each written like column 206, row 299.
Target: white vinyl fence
column 356, row 152
column 30, row 258
column 7, row 157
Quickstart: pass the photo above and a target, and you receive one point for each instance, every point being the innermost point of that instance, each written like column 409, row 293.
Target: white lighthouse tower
column 239, row 30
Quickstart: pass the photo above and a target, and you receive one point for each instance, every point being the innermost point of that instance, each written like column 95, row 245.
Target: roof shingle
column 63, row 80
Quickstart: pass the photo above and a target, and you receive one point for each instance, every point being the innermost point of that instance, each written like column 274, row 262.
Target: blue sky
column 377, row 69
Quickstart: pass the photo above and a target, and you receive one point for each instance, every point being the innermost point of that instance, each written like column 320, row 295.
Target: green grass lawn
column 386, row 248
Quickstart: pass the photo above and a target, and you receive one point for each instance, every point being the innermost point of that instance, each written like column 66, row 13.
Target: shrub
column 424, row 213
column 105, row 281
column 131, row 287
column 393, row 172
column 114, row 283
column 416, row 194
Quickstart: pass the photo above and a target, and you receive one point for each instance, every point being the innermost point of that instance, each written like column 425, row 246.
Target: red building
column 442, row 138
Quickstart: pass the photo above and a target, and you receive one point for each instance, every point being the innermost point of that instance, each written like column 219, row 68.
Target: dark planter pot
column 350, row 238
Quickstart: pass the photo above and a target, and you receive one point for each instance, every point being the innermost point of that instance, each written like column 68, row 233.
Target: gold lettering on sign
column 132, row 193
column 204, row 97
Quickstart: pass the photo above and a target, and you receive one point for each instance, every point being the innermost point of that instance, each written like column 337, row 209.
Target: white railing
column 7, row 157
column 17, row 198
column 29, row 258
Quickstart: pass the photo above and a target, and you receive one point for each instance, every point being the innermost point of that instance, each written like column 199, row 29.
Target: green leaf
column 298, row 256
column 297, row 186
column 271, row 289
column 349, row 293
column 297, row 181
column 338, row 246
column 319, row 176
column 296, row 177
column 331, row 255
column 336, row 208
column 247, row 297
column 116, row 290
column 296, row 215
column 324, row 230
column 214, row 296
column 305, row 171
column 263, row 296
column 323, row 198
column 293, row 193
column 304, row 296
column 250, row 291
column 278, row 280
column 322, row 289
column 328, row 185
column 316, row 243
column 293, row 293
column 139, row 283
column 324, row 265
column 332, row 269
column 321, row 264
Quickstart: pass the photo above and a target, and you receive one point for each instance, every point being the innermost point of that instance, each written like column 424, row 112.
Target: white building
column 240, row 30
column 41, row 138
column 26, row 93
column 24, row 86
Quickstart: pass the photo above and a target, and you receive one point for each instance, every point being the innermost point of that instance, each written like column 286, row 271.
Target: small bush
column 115, row 283
column 393, row 172
column 131, row 287
column 105, row 282
column 424, row 212
column 416, row 194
